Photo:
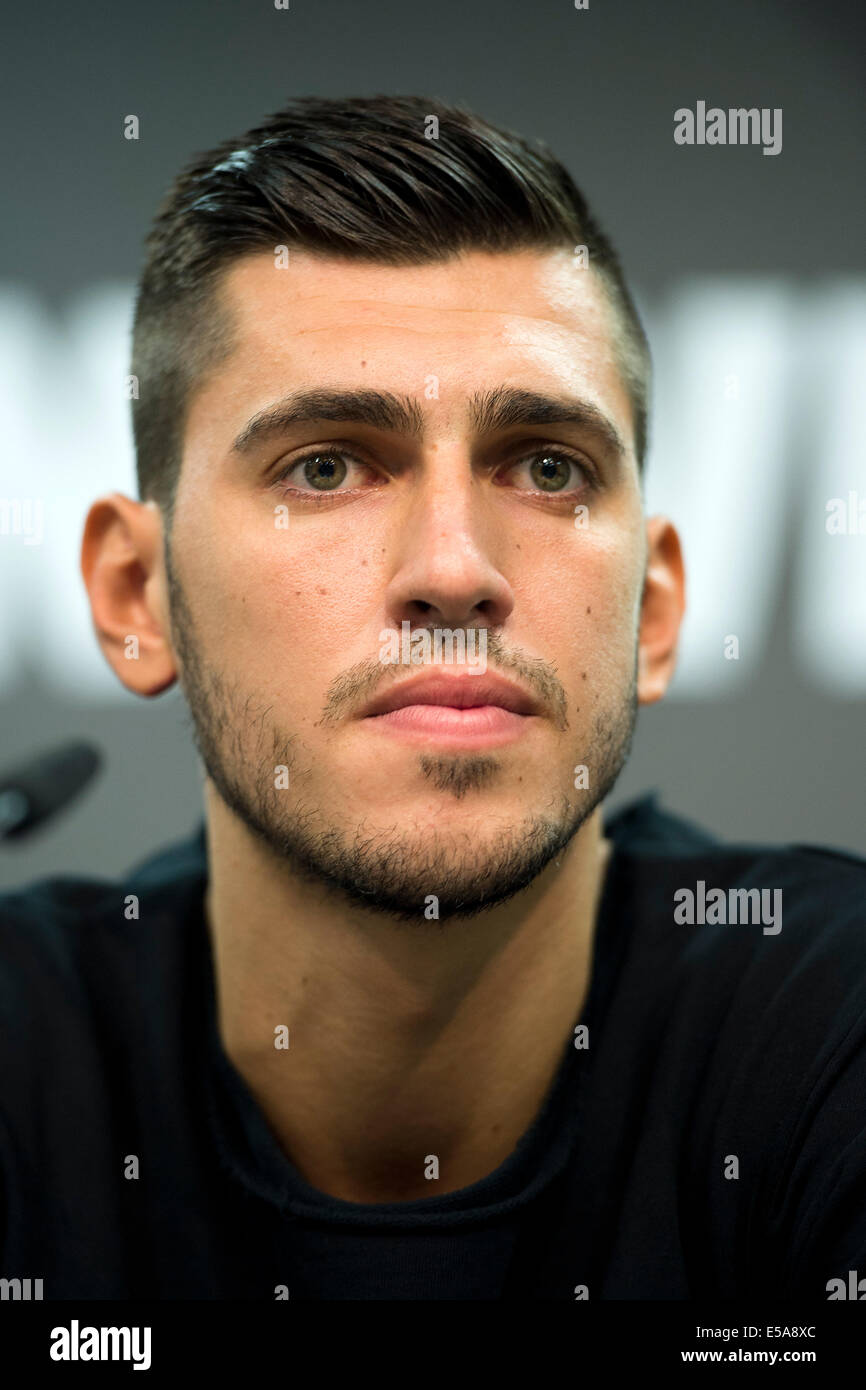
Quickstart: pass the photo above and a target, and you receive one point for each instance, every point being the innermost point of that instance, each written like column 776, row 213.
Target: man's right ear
column 122, row 563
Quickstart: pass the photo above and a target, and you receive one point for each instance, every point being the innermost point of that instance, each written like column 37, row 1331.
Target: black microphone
column 36, row 790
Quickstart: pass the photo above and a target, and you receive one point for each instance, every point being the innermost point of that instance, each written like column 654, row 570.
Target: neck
column 403, row 1042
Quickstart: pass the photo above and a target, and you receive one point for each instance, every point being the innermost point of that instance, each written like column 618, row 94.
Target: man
column 404, row 1018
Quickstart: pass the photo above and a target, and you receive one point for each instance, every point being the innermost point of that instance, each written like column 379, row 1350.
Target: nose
column 447, row 574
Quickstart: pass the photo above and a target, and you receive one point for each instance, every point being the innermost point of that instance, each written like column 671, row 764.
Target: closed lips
column 462, row 693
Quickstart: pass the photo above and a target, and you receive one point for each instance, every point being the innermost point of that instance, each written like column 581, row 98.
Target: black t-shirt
column 708, row 1141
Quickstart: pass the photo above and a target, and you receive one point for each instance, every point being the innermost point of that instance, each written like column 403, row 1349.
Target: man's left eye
column 552, row 471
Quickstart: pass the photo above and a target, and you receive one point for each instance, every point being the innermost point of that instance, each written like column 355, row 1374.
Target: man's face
column 448, row 514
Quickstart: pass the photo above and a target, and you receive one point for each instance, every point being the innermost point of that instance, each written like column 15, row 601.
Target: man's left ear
column 662, row 607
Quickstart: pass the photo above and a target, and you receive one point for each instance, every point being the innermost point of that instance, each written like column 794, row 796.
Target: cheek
column 287, row 603
column 580, row 604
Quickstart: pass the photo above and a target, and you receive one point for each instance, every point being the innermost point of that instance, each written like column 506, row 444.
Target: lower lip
column 479, row 726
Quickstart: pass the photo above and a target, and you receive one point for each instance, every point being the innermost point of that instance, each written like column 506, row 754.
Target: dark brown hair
column 358, row 178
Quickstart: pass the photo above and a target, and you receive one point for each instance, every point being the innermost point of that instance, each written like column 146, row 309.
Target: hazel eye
column 318, row 473
column 553, row 471
column 324, row 471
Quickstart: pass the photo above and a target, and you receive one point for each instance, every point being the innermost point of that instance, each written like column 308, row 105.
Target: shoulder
column 94, row 986
column 753, row 948
column 55, row 911
column 698, row 879
column 71, row 946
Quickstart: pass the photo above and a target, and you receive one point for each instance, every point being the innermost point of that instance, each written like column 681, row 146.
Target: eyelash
column 317, row 498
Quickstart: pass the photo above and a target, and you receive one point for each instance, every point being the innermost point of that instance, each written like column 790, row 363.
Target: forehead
column 532, row 319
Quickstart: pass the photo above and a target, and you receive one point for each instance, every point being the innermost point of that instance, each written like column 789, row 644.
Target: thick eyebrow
column 399, row 414
column 489, row 411
column 506, row 406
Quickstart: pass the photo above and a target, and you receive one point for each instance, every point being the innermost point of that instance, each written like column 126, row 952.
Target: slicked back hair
column 357, row 179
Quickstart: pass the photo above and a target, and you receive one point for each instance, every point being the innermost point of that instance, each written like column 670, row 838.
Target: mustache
column 361, row 681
